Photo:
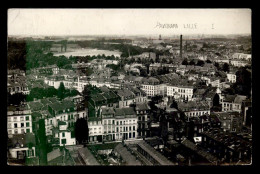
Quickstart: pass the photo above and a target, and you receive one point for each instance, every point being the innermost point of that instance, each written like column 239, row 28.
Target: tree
column 50, row 92
column 185, row 62
column 243, row 82
column 174, row 104
column 208, row 61
column 225, row 67
column 41, row 137
column 217, row 65
column 216, row 100
column 61, row 91
column 164, row 60
column 81, row 130
column 143, row 72
column 74, row 92
column 200, row 63
column 16, row 98
column 192, row 62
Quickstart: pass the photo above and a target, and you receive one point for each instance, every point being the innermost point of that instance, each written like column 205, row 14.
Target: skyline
column 76, row 22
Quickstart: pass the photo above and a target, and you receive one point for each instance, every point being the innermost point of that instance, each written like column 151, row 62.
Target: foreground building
column 19, row 120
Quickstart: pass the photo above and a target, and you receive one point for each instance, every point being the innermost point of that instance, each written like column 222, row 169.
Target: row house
column 180, row 92
column 150, row 86
column 214, row 82
column 54, row 81
column 19, row 120
column 14, row 87
column 65, row 136
column 115, row 124
column 127, row 97
column 65, row 111
column 232, row 103
column 140, row 96
column 95, row 127
column 227, row 147
column 108, row 122
column 239, row 63
column 22, row 146
column 242, row 56
column 230, row 121
column 194, row 109
column 142, row 112
column 231, row 77
column 125, row 124
column 51, row 69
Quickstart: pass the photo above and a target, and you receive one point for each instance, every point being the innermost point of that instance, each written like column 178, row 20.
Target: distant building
column 242, row 56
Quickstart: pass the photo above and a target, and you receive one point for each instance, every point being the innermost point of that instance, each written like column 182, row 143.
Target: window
column 27, row 124
column 63, row 134
column 15, row 118
column 133, row 134
column 130, row 128
column 120, row 122
column 117, row 129
column 9, row 132
column 22, row 124
column 21, row 118
column 15, row 125
column 9, row 119
column 133, row 127
column 16, row 131
column 129, row 135
column 27, row 118
column 22, row 131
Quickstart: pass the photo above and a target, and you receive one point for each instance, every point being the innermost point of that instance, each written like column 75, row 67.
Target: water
column 90, row 52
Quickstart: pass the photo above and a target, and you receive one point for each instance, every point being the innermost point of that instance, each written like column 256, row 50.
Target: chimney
column 181, row 46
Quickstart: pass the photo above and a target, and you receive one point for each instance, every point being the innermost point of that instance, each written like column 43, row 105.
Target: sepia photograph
column 129, row 87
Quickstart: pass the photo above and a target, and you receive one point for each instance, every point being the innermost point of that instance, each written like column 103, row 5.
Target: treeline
column 16, row 55
column 61, row 93
column 89, row 58
column 36, row 57
column 125, row 49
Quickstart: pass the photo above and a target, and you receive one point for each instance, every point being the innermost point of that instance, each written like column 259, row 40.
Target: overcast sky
column 128, row 21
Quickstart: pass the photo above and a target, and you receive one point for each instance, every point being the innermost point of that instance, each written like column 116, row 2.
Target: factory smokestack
column 181, row 46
